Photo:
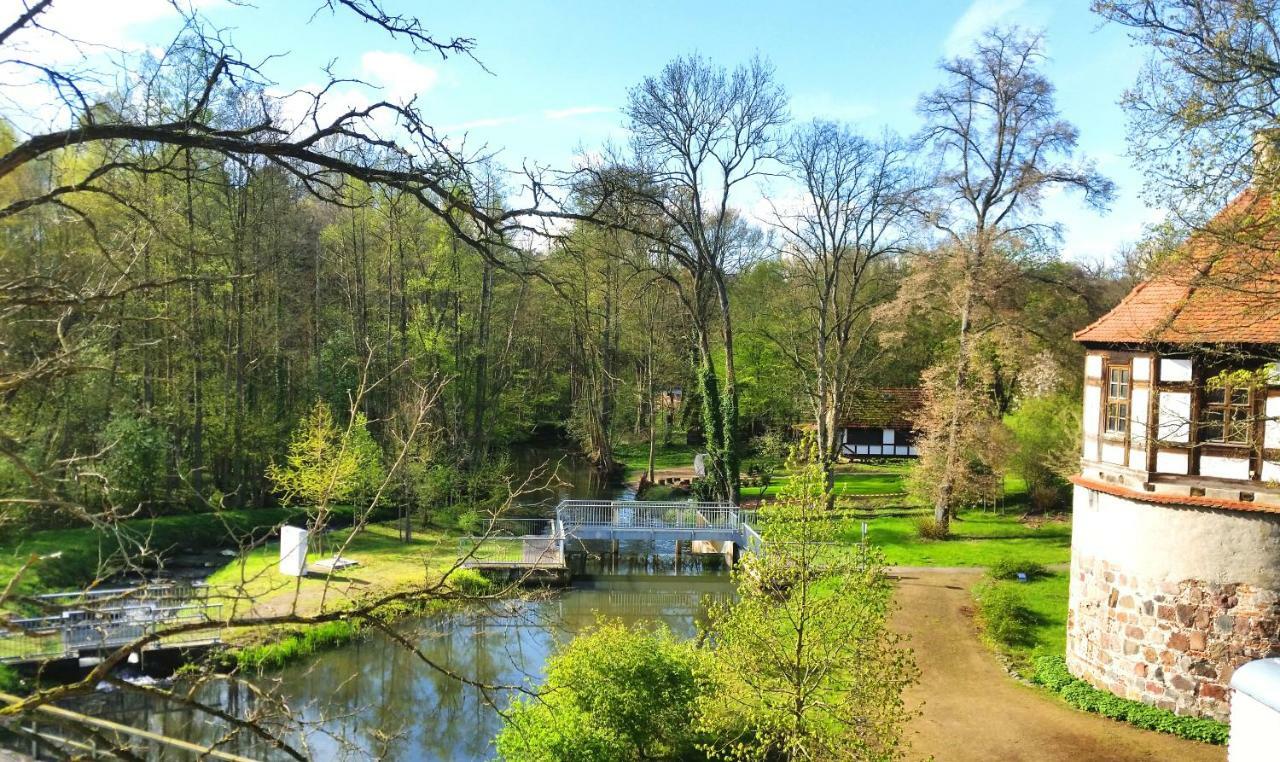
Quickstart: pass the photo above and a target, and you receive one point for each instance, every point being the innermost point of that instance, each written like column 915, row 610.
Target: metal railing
column 531, row 550
column 650, row 514
column 67, row 634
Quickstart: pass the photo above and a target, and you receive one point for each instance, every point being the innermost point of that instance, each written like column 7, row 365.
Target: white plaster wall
column 1171, row 462
column 1175, row 369
column 1138, row 415
column 886, row 436
column 1271, row 427
column 1113, row 452
column 1092, row 409
column 1093, row 366
column 1141, row 369
column 1161, row 542
column 1138, row 459
column 1224, row 468
column 1174, row 421
column 1270, row 471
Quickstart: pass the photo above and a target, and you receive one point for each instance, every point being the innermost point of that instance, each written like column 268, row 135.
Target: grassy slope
column 82, row 549
column 634, row 456
column 386, row 564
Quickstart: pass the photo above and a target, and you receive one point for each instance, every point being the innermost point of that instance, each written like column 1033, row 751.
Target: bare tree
column 854, row 213
column 1000, row 144
column 1210, row 89
column 698, row 133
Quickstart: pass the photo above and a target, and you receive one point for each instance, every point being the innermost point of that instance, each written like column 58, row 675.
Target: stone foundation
column 1173, row 645
column 1168, row 600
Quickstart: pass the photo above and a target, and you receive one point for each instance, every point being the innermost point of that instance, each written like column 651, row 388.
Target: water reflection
column 378, row 699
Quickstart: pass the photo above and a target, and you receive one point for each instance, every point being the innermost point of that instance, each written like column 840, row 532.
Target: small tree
column 809, row 667
column 327, row 464
column 612, row 693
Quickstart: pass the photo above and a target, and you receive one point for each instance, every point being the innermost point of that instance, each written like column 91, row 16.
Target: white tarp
column 1255, row 712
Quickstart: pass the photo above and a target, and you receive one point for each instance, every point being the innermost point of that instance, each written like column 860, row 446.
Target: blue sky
column 559, row 71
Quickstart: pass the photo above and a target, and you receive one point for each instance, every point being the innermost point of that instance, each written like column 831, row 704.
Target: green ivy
column 1052, row 673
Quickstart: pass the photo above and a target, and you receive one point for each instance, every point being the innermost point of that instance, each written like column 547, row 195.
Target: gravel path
column 974, row 711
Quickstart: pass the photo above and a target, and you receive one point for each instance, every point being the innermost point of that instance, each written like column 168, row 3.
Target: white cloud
column 568, row 113
column 977, row 18
column 93, row 23
column 400, row 77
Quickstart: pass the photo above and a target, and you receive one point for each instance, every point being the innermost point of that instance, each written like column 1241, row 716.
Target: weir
column 709, row 526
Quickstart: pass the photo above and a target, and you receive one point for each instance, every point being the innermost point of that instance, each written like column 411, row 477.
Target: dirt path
column 974, row 711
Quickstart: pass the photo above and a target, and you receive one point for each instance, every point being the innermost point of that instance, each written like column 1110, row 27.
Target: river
column 377, row 699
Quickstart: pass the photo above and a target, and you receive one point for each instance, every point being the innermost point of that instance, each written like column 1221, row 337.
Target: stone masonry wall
column 1172, row 644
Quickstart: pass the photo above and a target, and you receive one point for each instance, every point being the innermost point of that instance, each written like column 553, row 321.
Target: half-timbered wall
column 1162, row 436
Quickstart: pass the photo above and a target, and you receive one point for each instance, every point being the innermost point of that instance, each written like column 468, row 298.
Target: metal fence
column 71, row 632
column 646, row 514
column 540, row 549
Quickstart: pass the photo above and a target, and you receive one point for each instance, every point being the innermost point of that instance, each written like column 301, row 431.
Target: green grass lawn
column 74, row 558
column 978, row 539
column 386, row 563
column 857, row 483
column 1040, row 607
column 634, row 456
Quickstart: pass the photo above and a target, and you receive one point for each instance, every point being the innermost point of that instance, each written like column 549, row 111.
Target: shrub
column 1007, row 568
column 1004, row 615
column 1052, row 673
column 928, row 528
column 612, row 693
column 1047, row 498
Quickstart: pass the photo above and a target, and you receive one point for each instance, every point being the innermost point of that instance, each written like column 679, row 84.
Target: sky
column 554, row 75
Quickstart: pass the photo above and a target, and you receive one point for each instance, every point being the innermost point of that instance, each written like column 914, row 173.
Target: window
column 1228, row 414
column 1117, row 401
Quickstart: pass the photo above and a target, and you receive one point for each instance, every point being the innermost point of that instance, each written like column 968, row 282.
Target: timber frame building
column 1176, row 535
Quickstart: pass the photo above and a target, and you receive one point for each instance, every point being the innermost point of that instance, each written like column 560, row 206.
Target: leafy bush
column 1008, row 568
column 1004, row 615
column 1052, row 673
column 10, row 680
column 928, row 528
column 703, row 489
column 612, row 693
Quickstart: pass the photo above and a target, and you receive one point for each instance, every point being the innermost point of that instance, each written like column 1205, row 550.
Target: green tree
column 612, row 693
column 135, row 462
column 328, row 464
column 807, row 664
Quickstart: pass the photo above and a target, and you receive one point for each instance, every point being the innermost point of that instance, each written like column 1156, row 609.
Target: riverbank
column 61, row 559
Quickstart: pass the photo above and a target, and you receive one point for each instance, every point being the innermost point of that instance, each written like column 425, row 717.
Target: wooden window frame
column 1229, row 412
column 1108, row 401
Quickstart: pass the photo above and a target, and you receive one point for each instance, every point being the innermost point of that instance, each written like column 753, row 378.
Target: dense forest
column 172, row 309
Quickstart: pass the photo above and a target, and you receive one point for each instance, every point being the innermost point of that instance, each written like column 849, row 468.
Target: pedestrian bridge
column 725, row 525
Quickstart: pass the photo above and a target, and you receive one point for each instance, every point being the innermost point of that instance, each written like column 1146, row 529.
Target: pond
column 378, row 699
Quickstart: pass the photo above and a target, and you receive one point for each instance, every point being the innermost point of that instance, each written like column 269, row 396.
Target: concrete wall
column 1166, row 601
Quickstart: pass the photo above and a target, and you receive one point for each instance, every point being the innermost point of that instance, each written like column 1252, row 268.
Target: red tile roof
column 884, row 408
column 1221, row 287
column 1167, row 499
